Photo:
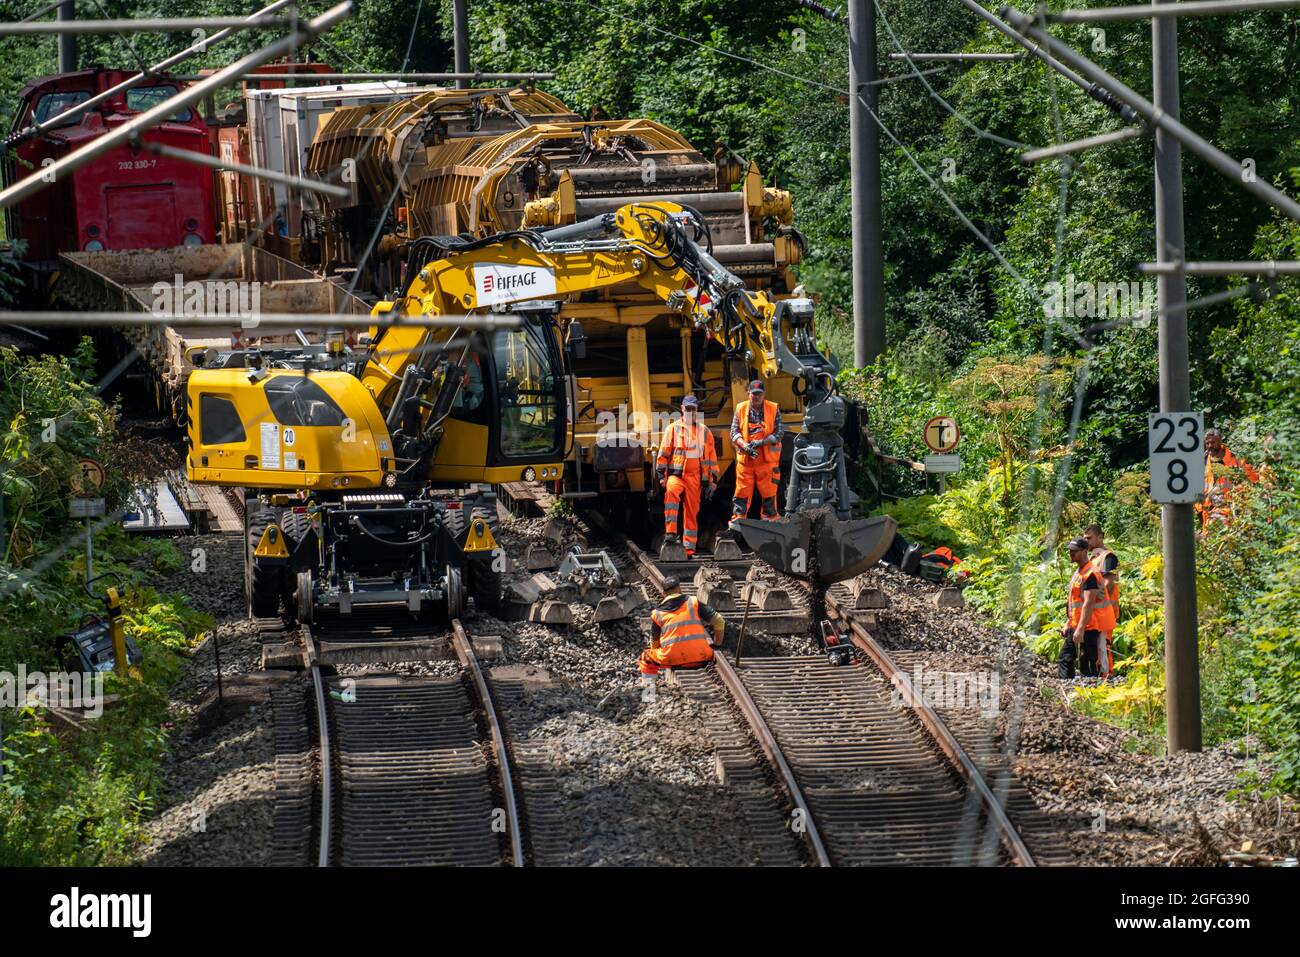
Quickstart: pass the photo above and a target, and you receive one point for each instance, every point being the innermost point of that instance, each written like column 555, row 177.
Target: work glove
column 709, row 490
column 661, row 475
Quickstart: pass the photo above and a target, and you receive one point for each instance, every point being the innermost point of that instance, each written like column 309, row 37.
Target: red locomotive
column 126, row 199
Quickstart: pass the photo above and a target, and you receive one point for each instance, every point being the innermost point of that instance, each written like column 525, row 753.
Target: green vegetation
column 76, row 798
column 967, row 338
column 1054, row 435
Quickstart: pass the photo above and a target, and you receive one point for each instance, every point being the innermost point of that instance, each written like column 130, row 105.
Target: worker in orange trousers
column 756, row 436
column 686, row 467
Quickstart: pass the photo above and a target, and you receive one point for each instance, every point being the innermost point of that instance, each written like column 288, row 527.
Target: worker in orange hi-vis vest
column 1090, row 616
column 1105, row 564
column 683, row 632
column 756, row 436
column 686, row 467
column 1217, row 505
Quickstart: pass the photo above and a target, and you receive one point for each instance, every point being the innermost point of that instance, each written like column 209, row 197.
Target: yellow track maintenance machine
column 479, row 163
column 353, row 460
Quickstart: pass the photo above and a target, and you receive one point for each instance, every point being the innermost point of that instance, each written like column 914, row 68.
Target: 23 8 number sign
column 1177, row 445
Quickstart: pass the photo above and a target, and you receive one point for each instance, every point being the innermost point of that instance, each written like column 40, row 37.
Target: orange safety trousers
column 763, row 470
column 1105, row 661
column 682, row 500
column 683, row 639
column 751, row 475
column 688, row 455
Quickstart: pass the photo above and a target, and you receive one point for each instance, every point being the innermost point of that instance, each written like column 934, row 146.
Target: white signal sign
column 1176, row 441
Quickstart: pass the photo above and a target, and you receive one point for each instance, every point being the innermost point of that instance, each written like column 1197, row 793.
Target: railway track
column 870, row 774
column 405, row 769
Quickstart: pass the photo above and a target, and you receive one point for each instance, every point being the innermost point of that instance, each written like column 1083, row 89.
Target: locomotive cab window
column 52, row 104
column 219, row 421
column 298, row 401
column 147, row 97
column 528, row 391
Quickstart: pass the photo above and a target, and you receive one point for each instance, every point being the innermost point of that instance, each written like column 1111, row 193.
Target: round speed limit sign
column 1176, row 441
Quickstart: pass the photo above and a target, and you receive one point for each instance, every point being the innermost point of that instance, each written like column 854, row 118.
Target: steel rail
column 469, row 661
column 767, row 741
column 753, row 717
column 326, row 758
column 938, row 731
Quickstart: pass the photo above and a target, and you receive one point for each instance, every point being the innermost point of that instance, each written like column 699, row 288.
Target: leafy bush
column 76, row 799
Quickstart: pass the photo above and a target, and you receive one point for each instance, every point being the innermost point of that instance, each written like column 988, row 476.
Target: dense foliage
column 75, row 798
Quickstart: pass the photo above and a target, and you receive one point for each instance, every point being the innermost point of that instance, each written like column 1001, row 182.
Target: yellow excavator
column 354, row 460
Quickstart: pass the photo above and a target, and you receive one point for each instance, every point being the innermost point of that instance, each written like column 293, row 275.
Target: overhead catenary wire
column 40, row 179
column 1214, row 157
column 916, row 164
column 387, row 321
column 951, row 110
column 163, row 65
column 144, row 25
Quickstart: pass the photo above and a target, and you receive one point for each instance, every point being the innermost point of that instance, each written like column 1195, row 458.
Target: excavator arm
column 657, row 246
column 642, row 243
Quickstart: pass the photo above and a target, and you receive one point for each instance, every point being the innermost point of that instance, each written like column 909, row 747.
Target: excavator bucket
column 846, row 549
column 834, row 550
column 784, row 544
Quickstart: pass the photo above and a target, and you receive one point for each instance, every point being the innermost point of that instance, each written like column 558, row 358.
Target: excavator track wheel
column 455, row 593
column 262, row 586
column 305, row 601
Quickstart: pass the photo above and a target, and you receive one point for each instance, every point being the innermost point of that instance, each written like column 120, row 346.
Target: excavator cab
column 390, row 453
column 508, row 420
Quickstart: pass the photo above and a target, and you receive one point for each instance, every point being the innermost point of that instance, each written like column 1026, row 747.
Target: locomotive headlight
column 530, row 474
column 193, row 239
column 94, row 246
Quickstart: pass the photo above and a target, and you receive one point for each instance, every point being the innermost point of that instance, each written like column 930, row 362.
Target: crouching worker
column 683, row 632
